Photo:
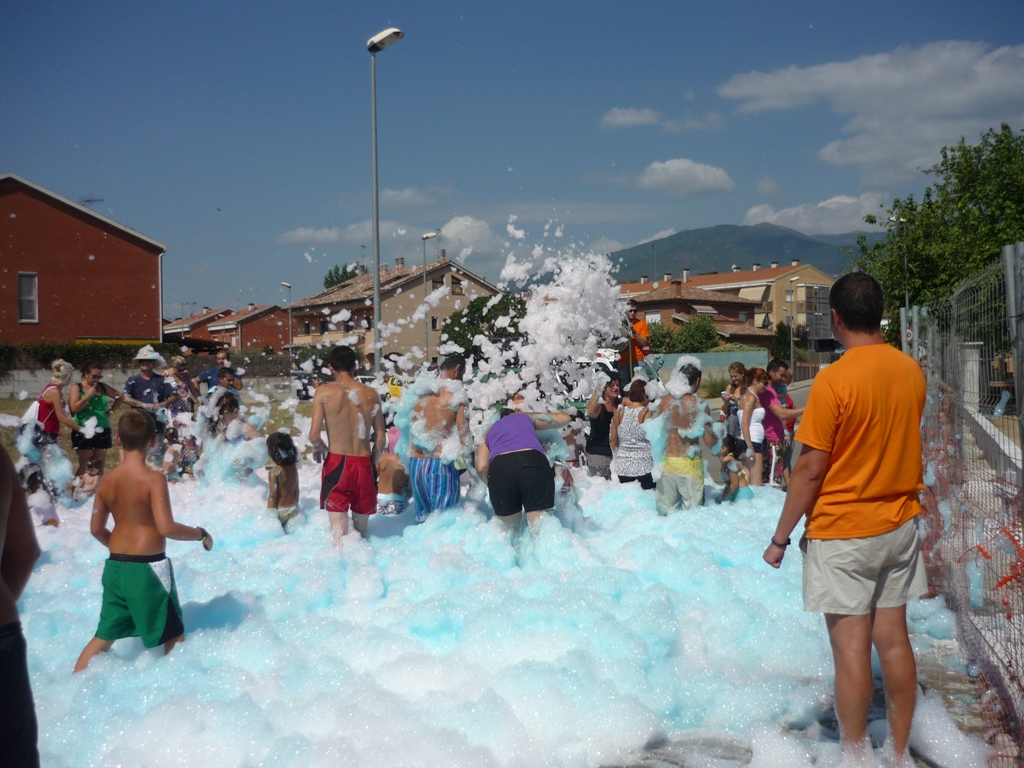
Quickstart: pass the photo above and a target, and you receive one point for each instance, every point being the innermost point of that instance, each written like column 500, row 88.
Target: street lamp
column 378, row 42
column 792, row 321
column 291, row 350
column 426, row 308
column 906, row 275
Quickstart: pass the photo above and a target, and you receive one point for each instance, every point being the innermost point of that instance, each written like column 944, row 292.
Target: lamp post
column 906, row 275
column 426, row 310
column 378, row 42
column 291, row 350
column 792, row 321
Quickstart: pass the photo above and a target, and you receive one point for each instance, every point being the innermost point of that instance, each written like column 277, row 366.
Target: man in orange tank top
column 857, row 481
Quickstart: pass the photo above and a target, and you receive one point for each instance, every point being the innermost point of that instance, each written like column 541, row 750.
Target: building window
column 305, row 328
column 653, row 317
column 28, row 297
column 437, row 282
column 789, row 295
column 743, row 317
column 325, row 325
column 433, row 323
column 456, row 286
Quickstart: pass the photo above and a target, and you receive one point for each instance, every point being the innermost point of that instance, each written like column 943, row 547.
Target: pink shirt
column 773, row 429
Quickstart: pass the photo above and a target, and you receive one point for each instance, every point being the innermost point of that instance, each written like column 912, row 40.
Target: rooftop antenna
column 90, row 200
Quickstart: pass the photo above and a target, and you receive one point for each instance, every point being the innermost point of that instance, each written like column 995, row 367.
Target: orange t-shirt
column 865, row 410
column 639, row 326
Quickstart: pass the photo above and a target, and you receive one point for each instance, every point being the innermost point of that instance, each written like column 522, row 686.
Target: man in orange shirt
column 639, row 337
column 857, row 480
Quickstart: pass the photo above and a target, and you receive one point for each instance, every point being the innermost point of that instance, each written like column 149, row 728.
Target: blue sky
column 238, row 134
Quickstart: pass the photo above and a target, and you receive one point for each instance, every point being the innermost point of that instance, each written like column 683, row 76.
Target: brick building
column 194, row 331
column 401, row 293
column 675, row 303
column 252, row 329
column 70, row 274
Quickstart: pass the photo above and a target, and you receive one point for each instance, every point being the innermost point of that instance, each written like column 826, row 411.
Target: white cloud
column 767, row 186
column 361, row 233
column 834, row 216
column 606, row 245
column 403, row 197
column 684, row 178
column 657, row 236
column 310, row 235
column 904, row 106
column 463, row 232
column 628, row 117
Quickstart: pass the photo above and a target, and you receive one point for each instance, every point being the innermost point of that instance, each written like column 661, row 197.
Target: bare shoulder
column 326, row 391
column 367, row 393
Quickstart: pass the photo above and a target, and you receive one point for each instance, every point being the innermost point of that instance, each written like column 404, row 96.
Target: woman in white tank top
column 751, row 418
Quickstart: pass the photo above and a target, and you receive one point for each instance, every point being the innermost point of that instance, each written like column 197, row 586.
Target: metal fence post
column 915, row 324
column 903, row 331
column 1013, row 256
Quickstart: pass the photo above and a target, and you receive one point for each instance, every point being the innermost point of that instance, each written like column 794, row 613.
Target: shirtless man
column 18, row 554
column 139, row 595
column 355, row 440
column 438, row 419
column 682, row 478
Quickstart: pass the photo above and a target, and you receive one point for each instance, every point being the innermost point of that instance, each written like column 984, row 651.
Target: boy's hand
column 206, row 539
column 319, row 451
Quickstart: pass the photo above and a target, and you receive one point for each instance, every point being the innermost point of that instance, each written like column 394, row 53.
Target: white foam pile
column 442, row 643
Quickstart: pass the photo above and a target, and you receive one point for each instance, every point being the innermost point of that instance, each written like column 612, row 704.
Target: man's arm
column 317, row 422
column 98, row 524
column 804, row 484
column 785, row 413
column 641, row 340
column 380, row 432
column 129, row 396
column 462, row 425
column 613, row 430
column 20, row 549
column 709, row 432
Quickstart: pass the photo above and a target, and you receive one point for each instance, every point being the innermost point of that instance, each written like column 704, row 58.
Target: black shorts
column 521, row 481
column 100, row 441
column 646, row 480
column 18, row 729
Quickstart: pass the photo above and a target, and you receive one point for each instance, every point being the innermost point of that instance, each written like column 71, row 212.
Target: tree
column 698, row 335
column 479, row 319
column 661, row 338
column 780, row 342
column 336, row 276
column 975, row 207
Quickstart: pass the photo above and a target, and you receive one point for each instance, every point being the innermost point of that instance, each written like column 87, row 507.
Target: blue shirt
column 153, row 390
column 512, row 433
column 211, row 376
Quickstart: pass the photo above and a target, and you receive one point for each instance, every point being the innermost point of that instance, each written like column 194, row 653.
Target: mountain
column 716, row 249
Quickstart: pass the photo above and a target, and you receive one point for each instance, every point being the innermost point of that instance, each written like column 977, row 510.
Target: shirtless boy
column 355, row 440
column 139, row 595
column 438, row 417
column 682, row 478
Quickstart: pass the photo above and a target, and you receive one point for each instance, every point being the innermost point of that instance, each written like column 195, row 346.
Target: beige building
column 401, row 294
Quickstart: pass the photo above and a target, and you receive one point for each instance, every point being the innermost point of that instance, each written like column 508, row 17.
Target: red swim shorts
column 349, row 482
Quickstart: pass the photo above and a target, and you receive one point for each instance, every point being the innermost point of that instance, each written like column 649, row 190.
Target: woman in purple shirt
column 513, row 464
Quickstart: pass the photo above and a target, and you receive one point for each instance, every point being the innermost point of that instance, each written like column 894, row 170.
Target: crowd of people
column 856, row 482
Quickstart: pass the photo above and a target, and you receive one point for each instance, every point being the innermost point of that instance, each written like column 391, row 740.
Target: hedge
column 41, row 354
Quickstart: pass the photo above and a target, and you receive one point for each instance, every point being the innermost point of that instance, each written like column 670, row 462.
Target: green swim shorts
column 140, row 600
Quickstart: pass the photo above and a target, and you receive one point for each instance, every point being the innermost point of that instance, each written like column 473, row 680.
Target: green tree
column 661, row 338
column 780, row 342
column 336, row 276
column 975, row 206
column 477, row 319
column 698, row 335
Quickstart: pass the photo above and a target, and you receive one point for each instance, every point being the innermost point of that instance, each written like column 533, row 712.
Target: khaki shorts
column 673, row 489
column 852, row 577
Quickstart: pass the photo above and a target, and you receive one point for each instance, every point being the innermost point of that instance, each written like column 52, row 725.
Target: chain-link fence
column 973, row 523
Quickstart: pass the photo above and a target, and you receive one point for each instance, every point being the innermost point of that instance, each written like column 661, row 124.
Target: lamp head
column 428, row 235
column 287, row 285
column 382, row 40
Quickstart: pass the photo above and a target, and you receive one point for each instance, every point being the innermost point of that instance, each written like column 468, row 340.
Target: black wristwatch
column 781, row 546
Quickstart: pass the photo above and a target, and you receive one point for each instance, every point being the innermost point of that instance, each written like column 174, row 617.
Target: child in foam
column 393, row 486
column 87, row 483
column 283, row 477
column 139, row 594
column 39, row 501
column 736, row 488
